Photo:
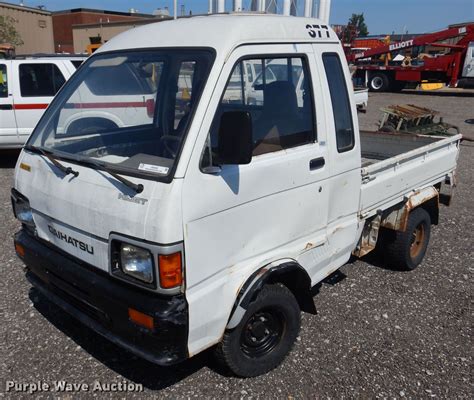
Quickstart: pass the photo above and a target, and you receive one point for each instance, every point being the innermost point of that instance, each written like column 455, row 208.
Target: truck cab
column 198, row 217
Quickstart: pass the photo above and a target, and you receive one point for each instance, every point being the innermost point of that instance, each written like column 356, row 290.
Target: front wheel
column 407, row 249
column 265, row 335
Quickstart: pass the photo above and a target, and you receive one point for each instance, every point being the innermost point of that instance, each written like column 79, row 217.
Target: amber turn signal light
column 141, row 319
column 20, row 250
column 171, row 272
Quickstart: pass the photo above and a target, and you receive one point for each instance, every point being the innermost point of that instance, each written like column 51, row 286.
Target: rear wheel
column 265, row 335
column 379, row 82
column 406, row 249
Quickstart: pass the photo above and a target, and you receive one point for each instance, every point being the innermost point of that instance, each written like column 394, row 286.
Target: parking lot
column 378, row 332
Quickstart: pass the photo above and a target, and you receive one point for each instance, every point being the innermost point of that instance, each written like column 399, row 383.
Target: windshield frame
column 61, row 98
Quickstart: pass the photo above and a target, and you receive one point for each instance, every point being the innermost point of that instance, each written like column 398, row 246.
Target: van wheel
column 265, row 335
column 379, row 82
column 407, row 249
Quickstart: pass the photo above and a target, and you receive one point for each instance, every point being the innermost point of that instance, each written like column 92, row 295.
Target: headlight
column 136, row 262
column 22, row 209
column 154, row 267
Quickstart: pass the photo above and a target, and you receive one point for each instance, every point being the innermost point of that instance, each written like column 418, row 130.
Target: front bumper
column 101, row 302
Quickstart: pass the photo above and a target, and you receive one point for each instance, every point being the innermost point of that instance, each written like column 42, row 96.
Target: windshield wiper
column 49, row 155
column 100, row 166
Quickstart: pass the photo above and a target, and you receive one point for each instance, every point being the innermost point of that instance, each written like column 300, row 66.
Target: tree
column 356, row 27
column 8, row 32
column 358, row 22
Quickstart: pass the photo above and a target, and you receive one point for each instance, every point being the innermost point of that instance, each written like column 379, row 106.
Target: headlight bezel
column 115, row 268
column 21, row 206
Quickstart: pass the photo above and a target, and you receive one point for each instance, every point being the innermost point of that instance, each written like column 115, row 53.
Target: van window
column 77, row 63
column 40, row 80
column 279, row 101
column 340, row 102
column 3, row 81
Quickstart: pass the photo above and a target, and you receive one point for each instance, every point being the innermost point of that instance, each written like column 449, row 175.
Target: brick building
column 63, row 22
column 34, row 26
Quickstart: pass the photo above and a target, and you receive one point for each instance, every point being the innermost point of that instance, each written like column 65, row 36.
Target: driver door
column 238, row 218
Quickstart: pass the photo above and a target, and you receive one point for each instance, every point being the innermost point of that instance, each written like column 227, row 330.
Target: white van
column 187, row 220
column 27, row 86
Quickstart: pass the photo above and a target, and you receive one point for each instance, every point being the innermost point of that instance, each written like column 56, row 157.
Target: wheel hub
column 417, row 240
column 261, row 333
column 377, row 82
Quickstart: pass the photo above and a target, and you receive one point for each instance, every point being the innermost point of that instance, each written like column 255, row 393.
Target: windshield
column 129, row 110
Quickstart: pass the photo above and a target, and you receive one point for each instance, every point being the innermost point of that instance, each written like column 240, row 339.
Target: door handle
column 6, row 107
column 316, row 163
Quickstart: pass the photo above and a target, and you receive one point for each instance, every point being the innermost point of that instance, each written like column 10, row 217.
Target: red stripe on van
column 30, row 106
column 109, row 105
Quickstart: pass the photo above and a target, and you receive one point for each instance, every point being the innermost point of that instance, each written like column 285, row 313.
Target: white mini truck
column 170, row 215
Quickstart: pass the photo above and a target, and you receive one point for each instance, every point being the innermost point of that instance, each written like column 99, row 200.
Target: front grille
column 65, row 290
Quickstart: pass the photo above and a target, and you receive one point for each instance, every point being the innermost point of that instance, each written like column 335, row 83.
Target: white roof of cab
column 223, row 32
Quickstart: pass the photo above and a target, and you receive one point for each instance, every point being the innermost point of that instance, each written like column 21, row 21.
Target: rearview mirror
column 235, row 142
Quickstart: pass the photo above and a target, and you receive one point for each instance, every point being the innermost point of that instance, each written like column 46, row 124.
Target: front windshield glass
column 126, row 110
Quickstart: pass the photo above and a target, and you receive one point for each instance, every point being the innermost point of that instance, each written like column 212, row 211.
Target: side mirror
column 235, row 139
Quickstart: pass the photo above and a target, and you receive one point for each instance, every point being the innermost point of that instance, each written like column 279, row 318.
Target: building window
column 42, row 23
column 40, row 80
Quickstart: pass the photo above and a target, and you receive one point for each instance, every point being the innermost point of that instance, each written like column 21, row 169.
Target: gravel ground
column 455, row 105
column 379, row 333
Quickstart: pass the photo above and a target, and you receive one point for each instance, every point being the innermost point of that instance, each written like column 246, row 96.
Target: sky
column 382, row 16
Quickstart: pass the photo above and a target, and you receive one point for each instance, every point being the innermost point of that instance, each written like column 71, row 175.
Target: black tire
column 265, row 335
column 379, row 82
column 405, row 250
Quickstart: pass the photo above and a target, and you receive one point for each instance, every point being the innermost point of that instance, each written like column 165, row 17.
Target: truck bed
column 395, row 164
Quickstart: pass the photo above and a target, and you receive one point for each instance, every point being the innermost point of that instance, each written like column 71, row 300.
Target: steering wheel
column 169, row 138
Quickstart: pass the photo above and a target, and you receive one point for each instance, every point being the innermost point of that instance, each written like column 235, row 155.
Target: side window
column 77, row 63
column 40, row 80
column 3, row 81
column 279, row 101
column 340, row 102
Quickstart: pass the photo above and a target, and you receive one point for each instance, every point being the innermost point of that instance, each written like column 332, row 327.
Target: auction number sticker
column 157, row 169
